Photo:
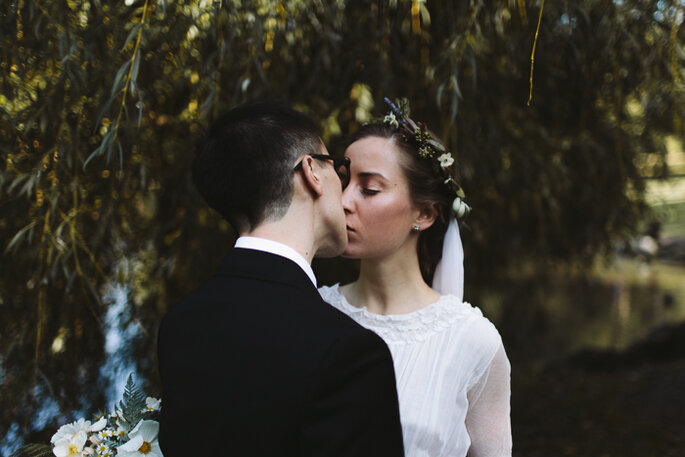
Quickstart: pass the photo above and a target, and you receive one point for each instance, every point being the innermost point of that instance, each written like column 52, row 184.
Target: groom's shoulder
column 235, row 302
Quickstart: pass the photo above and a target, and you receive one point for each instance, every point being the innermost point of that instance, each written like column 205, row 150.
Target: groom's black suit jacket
column 254, row 363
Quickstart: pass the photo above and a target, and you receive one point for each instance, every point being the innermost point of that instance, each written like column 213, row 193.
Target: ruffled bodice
column 452, row 376
column 405, row 328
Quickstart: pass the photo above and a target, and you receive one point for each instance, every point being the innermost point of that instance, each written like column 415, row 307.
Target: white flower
column 143, row 441
column 391, row 119
column 460, row 208
column 72, row 446
column 120, row 433
column 446, row 160
column 99, row 425
column 153, row 404
column 103, row 450
column 69, row 431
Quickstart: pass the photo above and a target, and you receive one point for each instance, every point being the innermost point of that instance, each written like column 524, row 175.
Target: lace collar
column 401, row 328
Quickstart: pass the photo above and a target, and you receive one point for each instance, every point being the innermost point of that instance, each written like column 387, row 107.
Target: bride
column 453, row 375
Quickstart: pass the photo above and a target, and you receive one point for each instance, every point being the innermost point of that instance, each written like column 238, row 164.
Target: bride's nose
column 347, row 200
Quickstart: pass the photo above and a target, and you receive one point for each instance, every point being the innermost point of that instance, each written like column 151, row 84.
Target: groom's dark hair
column 244, row 165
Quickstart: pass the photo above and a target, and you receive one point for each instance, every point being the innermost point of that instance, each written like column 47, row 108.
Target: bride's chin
column 350, row 253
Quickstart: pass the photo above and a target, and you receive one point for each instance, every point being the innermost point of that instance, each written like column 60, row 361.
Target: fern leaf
column 133, row 404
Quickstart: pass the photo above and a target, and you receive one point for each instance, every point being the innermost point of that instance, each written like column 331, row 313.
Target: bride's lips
column 350, row 229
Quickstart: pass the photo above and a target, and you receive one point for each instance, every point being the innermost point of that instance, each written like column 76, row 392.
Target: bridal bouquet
column 129, row 431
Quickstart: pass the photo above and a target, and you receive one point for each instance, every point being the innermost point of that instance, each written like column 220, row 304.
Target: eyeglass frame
column 337, row 161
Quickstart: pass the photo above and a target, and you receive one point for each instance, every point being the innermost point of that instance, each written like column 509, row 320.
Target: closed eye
column 369, row 192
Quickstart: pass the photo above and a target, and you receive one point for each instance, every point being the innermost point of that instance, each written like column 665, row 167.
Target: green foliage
column 100, row 102
column 33, row 450
column 132, row 405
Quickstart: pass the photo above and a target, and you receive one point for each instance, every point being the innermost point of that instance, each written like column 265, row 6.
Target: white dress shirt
column 274, row 247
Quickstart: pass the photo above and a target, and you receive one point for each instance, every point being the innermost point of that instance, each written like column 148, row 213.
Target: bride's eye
column 369, row 191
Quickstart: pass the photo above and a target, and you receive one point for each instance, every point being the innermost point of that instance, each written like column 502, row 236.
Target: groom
column 254, row 362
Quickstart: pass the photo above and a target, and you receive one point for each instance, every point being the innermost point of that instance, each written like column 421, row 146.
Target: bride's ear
column 427, row 216
column 311, row 177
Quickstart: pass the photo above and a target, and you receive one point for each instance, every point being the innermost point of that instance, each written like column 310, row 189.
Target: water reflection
column 611, row 307
column 597, row 360
column 646, row 295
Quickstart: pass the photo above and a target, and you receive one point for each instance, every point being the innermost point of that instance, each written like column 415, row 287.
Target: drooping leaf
column 119, row 78
column 19, row 235
column 33, row 450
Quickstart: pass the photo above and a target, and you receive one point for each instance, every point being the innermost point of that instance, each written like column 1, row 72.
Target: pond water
column 611, row 307
column 583, row 381
column 549, row 315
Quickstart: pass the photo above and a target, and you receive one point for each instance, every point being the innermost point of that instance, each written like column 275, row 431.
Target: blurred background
column 575, row 169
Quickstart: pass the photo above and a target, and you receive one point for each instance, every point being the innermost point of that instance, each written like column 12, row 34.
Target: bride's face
column 378, row 209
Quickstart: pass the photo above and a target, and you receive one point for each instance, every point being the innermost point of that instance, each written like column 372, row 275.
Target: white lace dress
column 453, row 377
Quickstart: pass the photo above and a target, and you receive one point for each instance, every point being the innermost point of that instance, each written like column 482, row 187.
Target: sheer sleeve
column 487, row 420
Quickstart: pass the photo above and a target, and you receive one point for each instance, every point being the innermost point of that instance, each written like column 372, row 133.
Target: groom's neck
column 290, row 230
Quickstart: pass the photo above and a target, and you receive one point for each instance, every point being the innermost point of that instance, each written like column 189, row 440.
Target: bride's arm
column 487, row 420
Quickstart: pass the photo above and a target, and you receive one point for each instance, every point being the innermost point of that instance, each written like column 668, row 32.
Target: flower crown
column 428, row 147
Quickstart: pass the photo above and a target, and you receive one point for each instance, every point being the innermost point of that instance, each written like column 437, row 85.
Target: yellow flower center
column 145, row 448
column 73, row 449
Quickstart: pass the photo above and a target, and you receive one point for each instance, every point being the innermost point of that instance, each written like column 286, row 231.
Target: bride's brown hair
column 426, row 189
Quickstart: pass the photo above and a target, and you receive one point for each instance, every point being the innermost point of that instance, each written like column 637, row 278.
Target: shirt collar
column 274, row 247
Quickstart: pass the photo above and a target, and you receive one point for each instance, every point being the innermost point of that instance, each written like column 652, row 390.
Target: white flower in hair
column 446, row 160
column 460, row 208
column 391, row 119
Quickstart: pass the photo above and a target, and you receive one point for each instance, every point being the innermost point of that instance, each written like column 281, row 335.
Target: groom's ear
column 311, row 174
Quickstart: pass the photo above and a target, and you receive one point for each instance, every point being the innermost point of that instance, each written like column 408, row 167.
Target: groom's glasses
column 341, row 165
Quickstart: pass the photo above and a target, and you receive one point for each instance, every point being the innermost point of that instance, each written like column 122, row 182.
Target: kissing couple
column 258, row 362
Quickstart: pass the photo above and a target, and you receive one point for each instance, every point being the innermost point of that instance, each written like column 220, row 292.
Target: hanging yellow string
column 20, row 24
column 522, row 12
column 532, row 54
column 416, row 17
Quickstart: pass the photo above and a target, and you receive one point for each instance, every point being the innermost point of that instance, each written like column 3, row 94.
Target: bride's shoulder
column 473, row 324
column 331, row 294
column 329, row 289
column 460, row 308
